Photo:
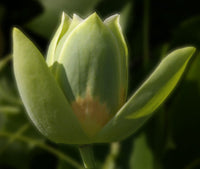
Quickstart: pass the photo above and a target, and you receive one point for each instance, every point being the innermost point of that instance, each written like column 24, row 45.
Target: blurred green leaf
column 20, row 131
column 193, row 73
column 184, row 112
column 9, row 109
column 8, row 91
column 195, row 164
column 2, row 40
column 43, row 146
column 9, row 98
column 46, row 22
column 125, row 16
column 16, row 156
column 187, row 32
column 70, row 150
column 142, row 156
column 3, row 62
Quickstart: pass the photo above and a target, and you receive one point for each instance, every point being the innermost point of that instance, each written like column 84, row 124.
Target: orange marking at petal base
column 92, row 114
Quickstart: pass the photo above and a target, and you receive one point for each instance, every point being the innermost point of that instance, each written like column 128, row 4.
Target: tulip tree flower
column 79, row 95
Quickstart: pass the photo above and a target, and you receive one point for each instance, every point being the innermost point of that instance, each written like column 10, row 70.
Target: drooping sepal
column 148, row 97
column 44, row 101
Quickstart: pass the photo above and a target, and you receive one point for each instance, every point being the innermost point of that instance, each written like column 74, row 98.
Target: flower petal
column 76, row 20
column 114, row 25
column 62, row 29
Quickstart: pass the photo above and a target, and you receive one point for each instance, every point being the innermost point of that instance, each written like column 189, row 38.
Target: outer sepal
column 148, row 97
column 45, row 103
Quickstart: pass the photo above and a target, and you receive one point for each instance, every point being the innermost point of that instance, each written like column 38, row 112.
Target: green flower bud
column 90, row 58
column 78, row 96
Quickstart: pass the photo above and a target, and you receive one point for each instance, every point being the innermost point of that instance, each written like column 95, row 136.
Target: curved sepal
column 148, row 97
column 45, row 103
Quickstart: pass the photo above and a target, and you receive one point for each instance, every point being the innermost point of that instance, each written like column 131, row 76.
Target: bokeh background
column 153, row 28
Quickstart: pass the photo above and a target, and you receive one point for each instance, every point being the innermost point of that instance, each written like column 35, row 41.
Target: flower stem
column 87, row 156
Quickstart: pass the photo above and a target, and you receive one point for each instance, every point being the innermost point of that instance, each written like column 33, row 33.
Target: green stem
column 87, row 156
column 43, row 146
column 19, row 132
column 110, row 162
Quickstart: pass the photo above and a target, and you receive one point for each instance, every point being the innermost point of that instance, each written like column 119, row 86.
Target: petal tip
column 64, row 17
column 15, row 31
column 191, row 48
column 77, row 17
column 94, row 17
column 114, row 18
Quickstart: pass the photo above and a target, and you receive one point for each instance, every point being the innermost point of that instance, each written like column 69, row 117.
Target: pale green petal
column 76, row 20
column 148, row 97
column 142, row 156
column 57, row 68
column 113, row 22
column 45, row 103
column 62, row 29
column 114, row 25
